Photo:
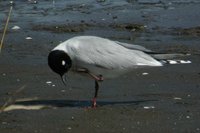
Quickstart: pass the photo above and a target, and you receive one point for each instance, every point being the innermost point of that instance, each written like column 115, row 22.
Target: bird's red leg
column 94, row 103
column 97, row 79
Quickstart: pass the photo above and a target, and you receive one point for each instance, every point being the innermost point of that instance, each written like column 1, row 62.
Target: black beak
column 63, row 78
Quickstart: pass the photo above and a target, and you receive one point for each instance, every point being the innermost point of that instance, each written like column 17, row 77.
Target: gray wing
column 106, row 57
column 106, row 54
column 134, row 47
column 156, row 55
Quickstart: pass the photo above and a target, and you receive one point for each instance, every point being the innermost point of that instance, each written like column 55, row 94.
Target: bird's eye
column 63, row 63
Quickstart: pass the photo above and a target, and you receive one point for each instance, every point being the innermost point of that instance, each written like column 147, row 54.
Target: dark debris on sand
column 193, row 31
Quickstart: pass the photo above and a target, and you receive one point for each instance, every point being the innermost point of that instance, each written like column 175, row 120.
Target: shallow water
column 149, row 100
column 159, row 20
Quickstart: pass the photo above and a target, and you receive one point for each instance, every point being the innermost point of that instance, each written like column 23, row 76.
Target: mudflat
column 150, row 100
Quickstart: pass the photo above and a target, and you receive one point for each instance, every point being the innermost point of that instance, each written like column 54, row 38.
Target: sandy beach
column 150, row 100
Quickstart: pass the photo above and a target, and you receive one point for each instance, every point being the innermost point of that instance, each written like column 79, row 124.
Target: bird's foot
column 94, row 103
column 93, row 106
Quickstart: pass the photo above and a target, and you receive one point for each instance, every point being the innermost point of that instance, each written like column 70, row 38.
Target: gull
column 101, row 58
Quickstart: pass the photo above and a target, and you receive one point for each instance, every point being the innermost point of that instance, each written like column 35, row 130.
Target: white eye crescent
column 63, row 63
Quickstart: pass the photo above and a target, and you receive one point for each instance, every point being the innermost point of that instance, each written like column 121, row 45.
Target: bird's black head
column 59, row 62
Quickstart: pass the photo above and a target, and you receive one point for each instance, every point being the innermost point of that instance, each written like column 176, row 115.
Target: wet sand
column 150, row 100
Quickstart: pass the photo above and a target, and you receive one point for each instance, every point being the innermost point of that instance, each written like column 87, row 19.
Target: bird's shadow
column 77, row 103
